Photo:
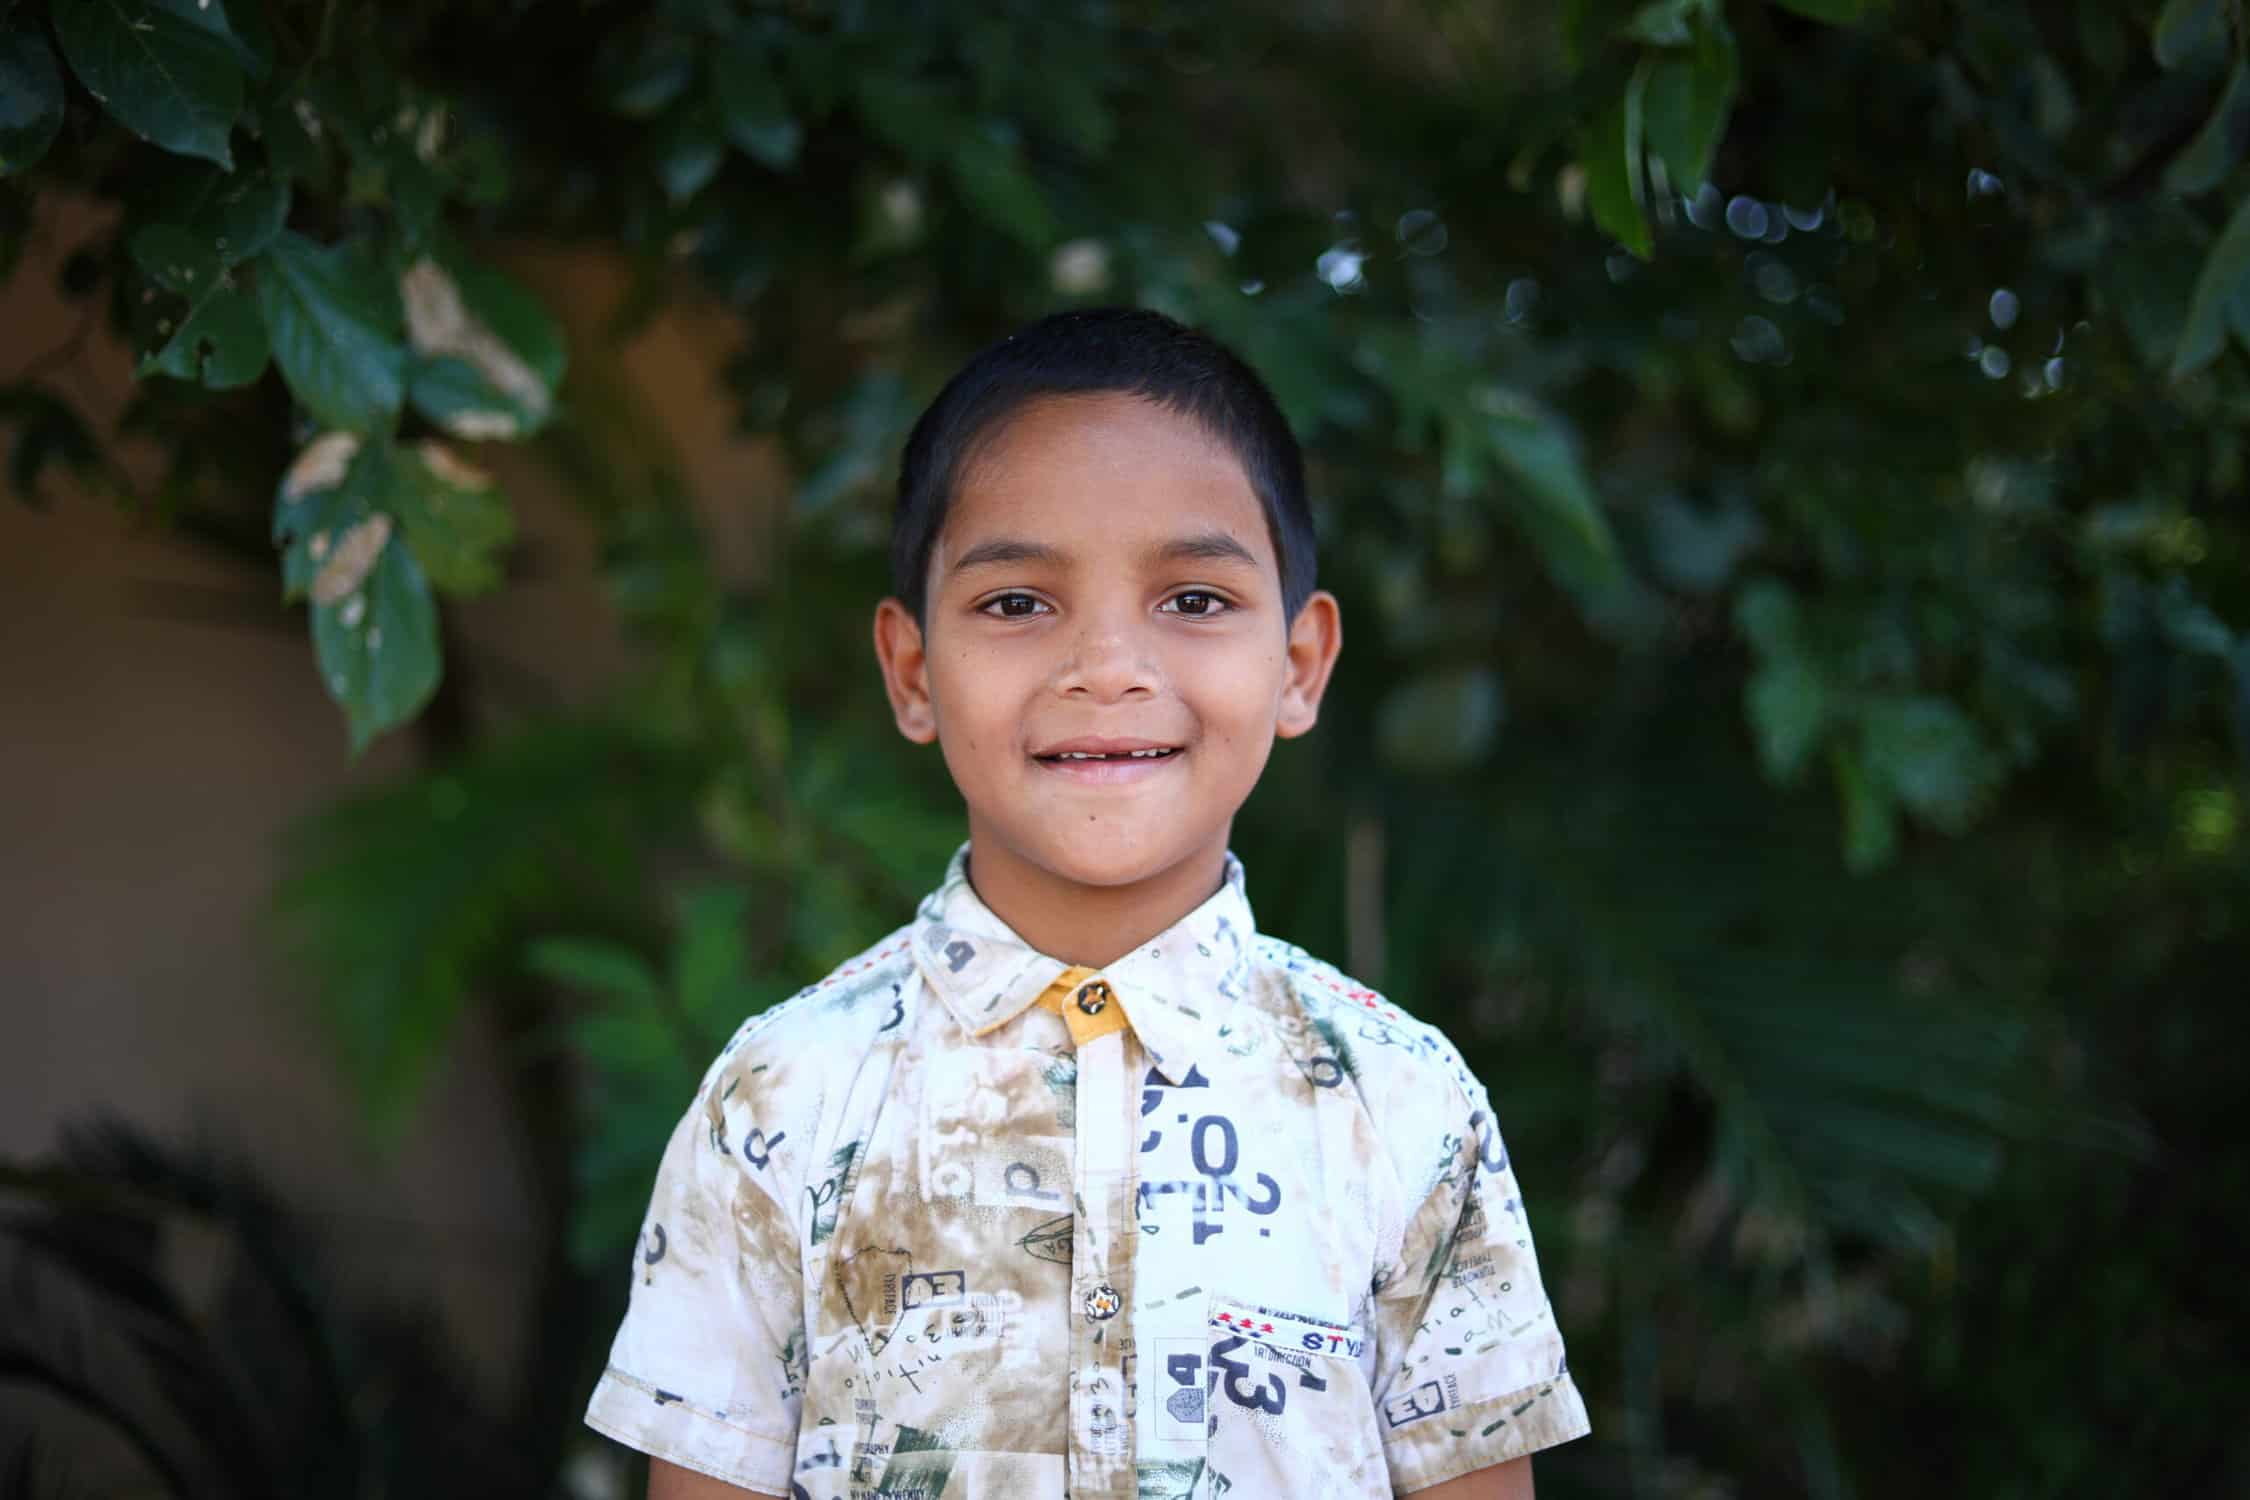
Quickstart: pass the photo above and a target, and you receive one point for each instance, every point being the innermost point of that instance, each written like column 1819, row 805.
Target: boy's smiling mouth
column 1106, row 760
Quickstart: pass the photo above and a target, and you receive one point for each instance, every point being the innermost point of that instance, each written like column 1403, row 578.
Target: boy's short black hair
column 1101, row 351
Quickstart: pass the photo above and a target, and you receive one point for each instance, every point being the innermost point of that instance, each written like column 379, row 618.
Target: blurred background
column 1782, row 461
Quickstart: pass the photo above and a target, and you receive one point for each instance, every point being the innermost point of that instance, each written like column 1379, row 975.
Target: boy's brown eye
column 1012, row 606
column 1197, row 605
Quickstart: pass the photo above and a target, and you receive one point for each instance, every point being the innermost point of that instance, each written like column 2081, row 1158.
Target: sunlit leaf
column 490, row 354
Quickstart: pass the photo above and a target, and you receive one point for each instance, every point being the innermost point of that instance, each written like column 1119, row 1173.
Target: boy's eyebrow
column 1007, row 550
column 1204, row 546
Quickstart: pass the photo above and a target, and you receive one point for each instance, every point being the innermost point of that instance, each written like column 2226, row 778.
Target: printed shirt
column 923, row 1235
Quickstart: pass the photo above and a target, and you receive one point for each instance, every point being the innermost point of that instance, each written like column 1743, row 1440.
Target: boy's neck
column 1091, row 925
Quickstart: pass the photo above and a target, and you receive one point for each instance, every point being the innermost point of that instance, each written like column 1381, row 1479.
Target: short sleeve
column 1471, row 1369
column 707, row 1370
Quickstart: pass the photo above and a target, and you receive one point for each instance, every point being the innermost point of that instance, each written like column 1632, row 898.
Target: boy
column 1075, row 1184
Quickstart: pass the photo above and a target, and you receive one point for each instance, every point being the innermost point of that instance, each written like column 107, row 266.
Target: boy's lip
column 1074, row 758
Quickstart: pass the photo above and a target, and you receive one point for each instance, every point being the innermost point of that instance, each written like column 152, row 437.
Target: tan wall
column 163, row 722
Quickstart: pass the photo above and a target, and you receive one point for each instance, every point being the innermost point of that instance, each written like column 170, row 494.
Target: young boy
column 1076, row 1184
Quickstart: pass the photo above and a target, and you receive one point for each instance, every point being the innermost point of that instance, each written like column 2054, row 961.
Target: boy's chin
column 1105, row 858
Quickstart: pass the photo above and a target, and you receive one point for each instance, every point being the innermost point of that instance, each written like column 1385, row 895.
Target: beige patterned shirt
column 921, row 1234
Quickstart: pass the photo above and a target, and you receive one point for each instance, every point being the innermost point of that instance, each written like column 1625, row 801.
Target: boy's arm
column 671, row 1482
column 1508, row 1481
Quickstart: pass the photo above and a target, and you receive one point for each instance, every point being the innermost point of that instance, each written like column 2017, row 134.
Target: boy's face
column 1105, row 583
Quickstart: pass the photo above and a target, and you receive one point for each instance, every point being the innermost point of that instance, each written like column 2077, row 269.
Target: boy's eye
column 1196, row 604
column 1011, row 606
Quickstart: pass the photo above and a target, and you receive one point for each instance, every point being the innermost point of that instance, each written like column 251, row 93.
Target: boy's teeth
column 1127, row 755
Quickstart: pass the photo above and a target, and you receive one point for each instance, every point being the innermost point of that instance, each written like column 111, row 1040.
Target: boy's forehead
column 1106, row 474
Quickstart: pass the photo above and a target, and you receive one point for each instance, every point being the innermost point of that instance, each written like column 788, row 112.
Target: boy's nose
column 1108, row 663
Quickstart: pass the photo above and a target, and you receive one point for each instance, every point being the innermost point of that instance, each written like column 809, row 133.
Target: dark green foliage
column 170, row 1324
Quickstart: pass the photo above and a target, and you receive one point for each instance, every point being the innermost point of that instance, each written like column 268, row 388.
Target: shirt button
column 1093, row 996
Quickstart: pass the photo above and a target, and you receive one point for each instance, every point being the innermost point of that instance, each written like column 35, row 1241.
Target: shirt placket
column 1102, row 1242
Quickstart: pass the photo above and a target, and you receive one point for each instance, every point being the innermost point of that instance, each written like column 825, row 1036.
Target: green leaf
column 991, row 175
column 690, row 148
column 454, row 395
column 639, row 78
column 2217, row 147
column 1662, row 23
column 456, row 522
column 375, row 630
column 1442, row 721
column 236, row 214
column 1536, row 449
column 31, row 93
column 175, row 259
column 711, row 965
column 490, row 354
column 2190, row 32
column 1610, row 154
column 2141, row 279
column 292, row 152
column 1787, row 701
column 2225, row 275
column 912, row 116
column 1842, row 12
column 1685, row 105
column 170, row 70
column 751, row 103
column 1931, row 756
column 219, row 343
column 609, row 970
column 337, row 330
column 1870, row 817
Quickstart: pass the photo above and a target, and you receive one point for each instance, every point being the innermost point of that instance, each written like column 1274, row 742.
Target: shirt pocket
column 1290, row 1412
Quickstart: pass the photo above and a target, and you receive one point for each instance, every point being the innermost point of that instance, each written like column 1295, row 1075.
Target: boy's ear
column 1315, row 636
column 906, row 670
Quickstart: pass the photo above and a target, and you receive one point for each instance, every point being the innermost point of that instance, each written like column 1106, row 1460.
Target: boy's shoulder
column 1393, row 1057
column 835, row 1015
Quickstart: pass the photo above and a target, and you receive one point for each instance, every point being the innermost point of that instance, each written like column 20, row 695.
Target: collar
column 1177, row 988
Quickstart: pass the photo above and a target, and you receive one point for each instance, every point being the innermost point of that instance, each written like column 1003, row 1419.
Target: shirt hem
column 623, row 1409
column 1562, row 1420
